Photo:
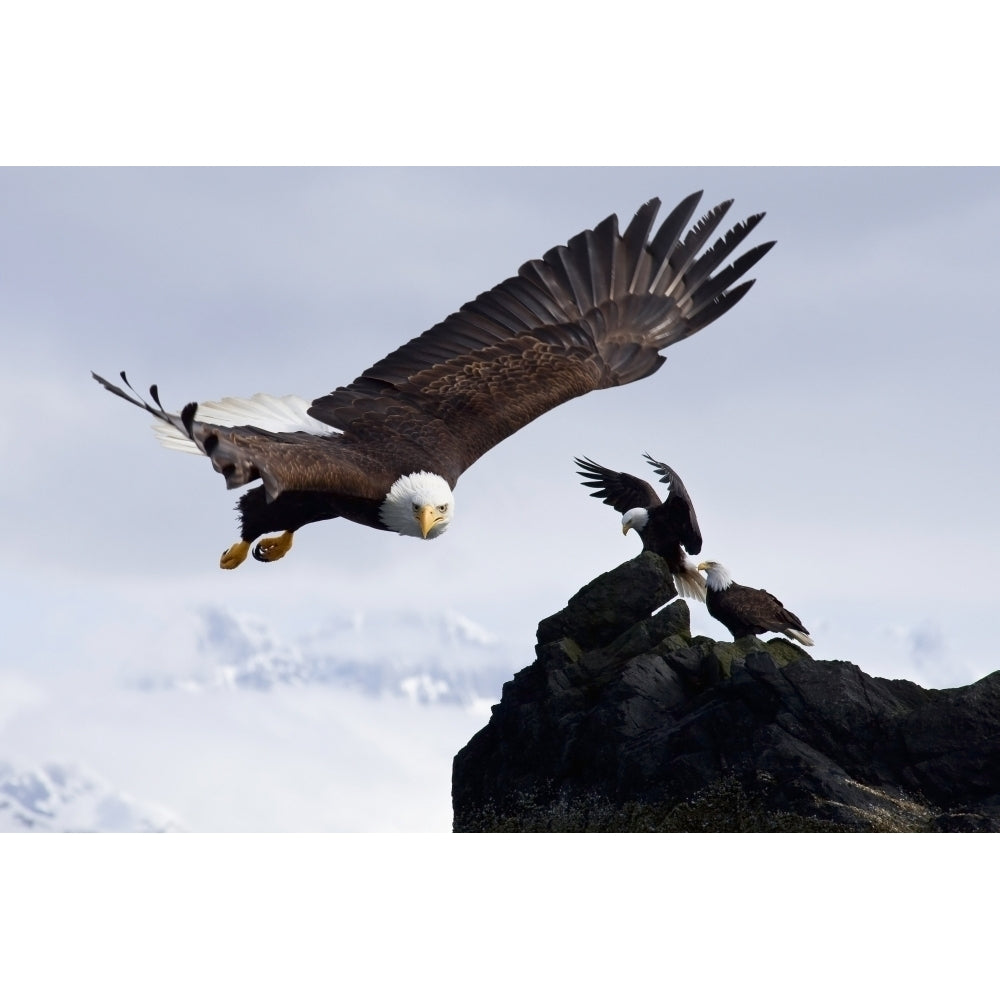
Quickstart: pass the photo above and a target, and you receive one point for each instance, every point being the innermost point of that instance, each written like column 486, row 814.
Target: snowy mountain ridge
column 444, row 658
column 70, row 798
column 219, row 701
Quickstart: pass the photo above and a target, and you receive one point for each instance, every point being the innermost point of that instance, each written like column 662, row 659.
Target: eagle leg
column 234, row 555
column 269, row 549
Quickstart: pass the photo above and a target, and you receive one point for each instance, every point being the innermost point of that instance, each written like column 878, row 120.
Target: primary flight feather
column 387, row 450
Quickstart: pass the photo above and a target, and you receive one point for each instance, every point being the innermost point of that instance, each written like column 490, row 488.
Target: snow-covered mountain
column 210, row 719
column 240, row 723
column 69, row 798
column 443, row 658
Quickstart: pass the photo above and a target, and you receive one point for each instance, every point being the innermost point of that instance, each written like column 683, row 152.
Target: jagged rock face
column 627, row 722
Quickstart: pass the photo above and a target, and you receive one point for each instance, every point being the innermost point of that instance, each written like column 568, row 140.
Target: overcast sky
column 836, row 430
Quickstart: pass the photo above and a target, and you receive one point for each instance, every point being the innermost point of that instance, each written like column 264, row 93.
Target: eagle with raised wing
column 667, row 527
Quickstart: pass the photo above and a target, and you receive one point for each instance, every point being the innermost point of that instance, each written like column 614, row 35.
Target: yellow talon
column 269, row 549
column 234, row 555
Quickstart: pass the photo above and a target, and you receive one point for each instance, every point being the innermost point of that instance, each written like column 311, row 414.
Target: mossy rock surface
column 627, row 722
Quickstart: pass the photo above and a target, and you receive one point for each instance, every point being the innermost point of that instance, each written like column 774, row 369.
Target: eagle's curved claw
column 270, row 549
column 234, row 555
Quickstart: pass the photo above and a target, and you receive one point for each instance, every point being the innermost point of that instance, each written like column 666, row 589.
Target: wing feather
column 670, row 230
column 616, row 489
column 718, row 252
column 589, row 315
column 682, row 516
column 633, row 260
column 712, row 288
column 668, row 280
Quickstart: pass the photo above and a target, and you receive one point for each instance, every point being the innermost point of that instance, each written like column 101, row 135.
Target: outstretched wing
column 592, row 314
column 588, row 315
column 616, row 489
column 678, row 507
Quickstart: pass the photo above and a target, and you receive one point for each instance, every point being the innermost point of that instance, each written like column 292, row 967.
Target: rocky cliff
column 627, row 722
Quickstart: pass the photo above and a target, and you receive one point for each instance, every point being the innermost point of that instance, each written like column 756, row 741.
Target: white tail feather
column 170, row 437
column 690, row 583
column 269, row 413
column 794, row 633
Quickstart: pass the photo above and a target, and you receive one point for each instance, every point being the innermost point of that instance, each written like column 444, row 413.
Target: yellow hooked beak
column 625, row 529
column 427, row 517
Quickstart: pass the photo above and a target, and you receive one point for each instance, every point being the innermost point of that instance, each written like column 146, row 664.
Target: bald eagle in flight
column 387, row 450
column 746, row 610
column 666, row 527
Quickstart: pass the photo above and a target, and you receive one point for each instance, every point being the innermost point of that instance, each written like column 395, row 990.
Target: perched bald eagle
column 667, row 527
column 746, row 610
column 387, row 450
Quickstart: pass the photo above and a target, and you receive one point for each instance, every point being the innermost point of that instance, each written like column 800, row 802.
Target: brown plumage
column 668, row 527
column 589, row 315
column 748, row 610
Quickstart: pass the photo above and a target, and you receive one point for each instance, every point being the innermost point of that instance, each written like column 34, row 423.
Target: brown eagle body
column 387, row 450
column 748, row 610
column 668, row 527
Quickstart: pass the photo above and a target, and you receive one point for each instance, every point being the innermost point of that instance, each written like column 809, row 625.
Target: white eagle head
column 718, row 575
column 637, row 518
column 420, row 505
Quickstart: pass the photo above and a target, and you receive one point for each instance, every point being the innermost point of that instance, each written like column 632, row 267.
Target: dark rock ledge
column 627, row 722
